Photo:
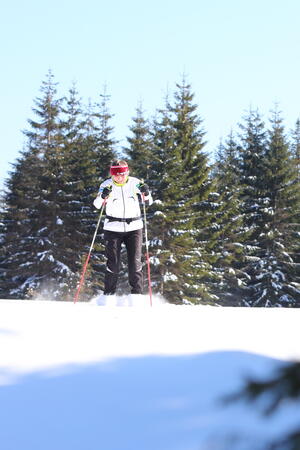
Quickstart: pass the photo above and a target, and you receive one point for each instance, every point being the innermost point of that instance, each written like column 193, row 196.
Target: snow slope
column 86, row 377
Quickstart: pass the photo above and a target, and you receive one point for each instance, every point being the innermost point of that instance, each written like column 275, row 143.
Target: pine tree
column 46, row 135
column 2, row 232
column 163, row 142
column 105, row 143
column 229, row 246
column 139, row 154
column 184, row 185
column 272, row 271
column 100, row 146
column 280, row 239
column 50, row 219
column 252, row 194
column 281, row 388
column 140, row 149
column 80, row 180
column 295, row 147
column 32, row 191
column 163, row 145
column 20, row 225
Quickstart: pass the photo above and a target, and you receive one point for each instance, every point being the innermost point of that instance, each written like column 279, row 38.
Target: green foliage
column 183, row 188
column 282, row 387
column 229, row 246
column 49, row 218
column 225, row 233
column 270, row 200
column 295, row 147
column 139, row 151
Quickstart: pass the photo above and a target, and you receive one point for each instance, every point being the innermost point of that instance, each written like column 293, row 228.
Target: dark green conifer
column 102, row 130
column 295, row 147
column 80, row 180
column 273, row 224
column 184, row 185
column 20, row 226
column 229, row 246
column 99, row 146
column 32, row 190
column 139, row 150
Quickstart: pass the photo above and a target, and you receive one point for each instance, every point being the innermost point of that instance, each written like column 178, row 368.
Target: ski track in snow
column 87, row 377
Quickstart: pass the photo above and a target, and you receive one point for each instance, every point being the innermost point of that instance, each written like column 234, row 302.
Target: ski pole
column 89, row 254
column 147, row 250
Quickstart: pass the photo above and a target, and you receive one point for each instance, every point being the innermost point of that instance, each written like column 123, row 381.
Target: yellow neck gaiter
column 120, row 184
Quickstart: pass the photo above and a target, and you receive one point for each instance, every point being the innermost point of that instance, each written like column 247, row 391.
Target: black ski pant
column 133, row 243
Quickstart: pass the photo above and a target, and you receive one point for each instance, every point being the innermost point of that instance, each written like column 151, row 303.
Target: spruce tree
column 139, row 154
column 229, row 247
column 200, row 196
column 99, row 146
column 80, row 179
column 163, row 145
column 139, row 150
column 46, row 134
column 185, row 183
column 295, row 147
column 270, row 216
column 32, row 214
column 163, row 141
column 2, row 231
column 252, row 194
column 279, row 389
column 20, row 226
column 102, row 130
column 279, row 239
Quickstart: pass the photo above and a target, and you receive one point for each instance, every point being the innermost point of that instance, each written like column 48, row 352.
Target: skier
column 123, row 224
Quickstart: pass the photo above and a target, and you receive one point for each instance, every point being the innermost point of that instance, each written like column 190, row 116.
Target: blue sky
column 235, row 54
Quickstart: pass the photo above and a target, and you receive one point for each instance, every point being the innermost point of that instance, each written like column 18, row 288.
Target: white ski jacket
column 122, row 203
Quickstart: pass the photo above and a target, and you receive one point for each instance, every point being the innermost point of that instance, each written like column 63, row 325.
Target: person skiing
column 123, row 224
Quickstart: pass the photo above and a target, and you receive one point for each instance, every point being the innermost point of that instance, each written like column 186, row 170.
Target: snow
column 159, row 213
column 170, row 276
column 82, row 376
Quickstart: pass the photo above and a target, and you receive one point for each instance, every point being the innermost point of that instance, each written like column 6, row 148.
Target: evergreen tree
column 139, row 154
column 252, row 195
column 31, row 215
column 163, row 145
column 80, row 179
column 2, row 233
column 272, row 270
column 99, row 146
column 140, row 149
column 184, row 185
column 46, row 136
column 163, row 142
column 295, row 147
column 282, row 387
column 20, row 225
column 105, row 143
column 229, row 247
column 280, row 238
column 50, row 219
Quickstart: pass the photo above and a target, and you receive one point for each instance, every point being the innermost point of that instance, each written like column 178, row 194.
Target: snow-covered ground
column 89, row 377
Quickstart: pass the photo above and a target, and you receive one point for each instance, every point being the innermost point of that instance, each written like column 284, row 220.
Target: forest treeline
column 223, row 233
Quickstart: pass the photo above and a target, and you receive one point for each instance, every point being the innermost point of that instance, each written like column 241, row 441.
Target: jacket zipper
column 123, row 209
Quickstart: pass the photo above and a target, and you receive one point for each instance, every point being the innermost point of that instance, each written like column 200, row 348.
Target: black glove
column 144, row 188
column 106, row 191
